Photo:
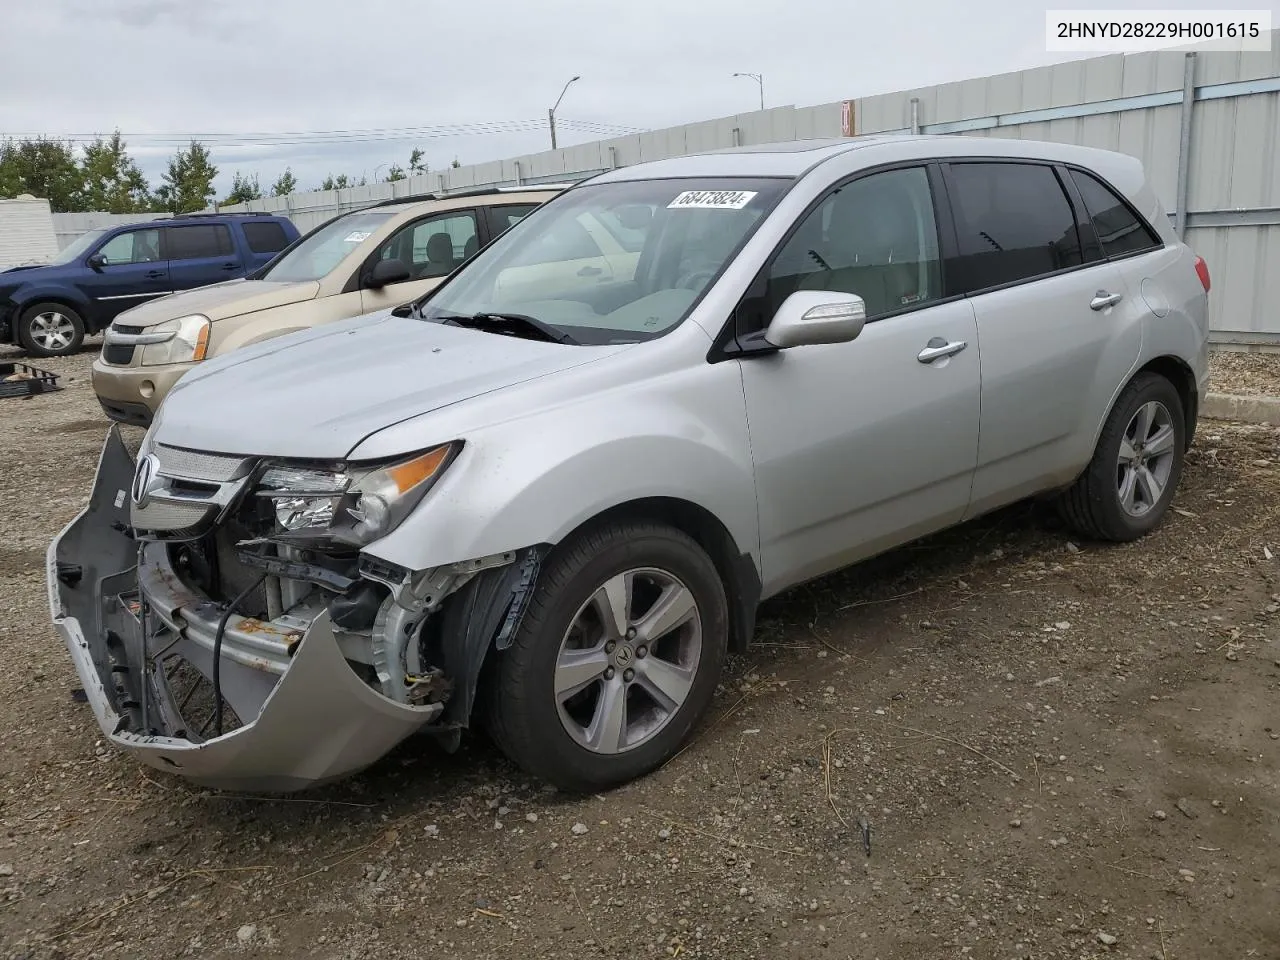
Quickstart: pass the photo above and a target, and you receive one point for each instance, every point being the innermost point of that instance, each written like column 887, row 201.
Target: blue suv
column 49, row 309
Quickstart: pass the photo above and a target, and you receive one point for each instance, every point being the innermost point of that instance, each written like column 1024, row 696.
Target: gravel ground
column 1060, row 749
column 1245, row 374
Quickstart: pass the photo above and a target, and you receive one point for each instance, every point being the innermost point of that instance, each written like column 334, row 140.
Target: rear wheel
column 616, row 659
column 50, row 330
column 1129, row 484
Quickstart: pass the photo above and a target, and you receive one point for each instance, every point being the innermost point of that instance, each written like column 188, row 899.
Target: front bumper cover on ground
column 315, row 721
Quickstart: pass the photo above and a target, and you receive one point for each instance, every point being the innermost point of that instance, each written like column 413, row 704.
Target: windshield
column 323, row 250
column 77, row 247
column 613, row 262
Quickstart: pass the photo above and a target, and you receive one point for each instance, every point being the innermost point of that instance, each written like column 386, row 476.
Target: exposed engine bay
column 203, row 621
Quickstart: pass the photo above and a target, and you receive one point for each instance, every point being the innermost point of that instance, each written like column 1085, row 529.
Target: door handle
column 939, row 348
column 154, row 274
column 590, row 272
column 231, row 266
column 1101, row 300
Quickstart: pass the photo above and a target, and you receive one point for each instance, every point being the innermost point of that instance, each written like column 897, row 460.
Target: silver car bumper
column 306, row 716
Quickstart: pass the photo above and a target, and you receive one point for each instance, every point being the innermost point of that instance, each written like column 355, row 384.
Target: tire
column 551, row 739
column 1095, row 505
column 50, row 330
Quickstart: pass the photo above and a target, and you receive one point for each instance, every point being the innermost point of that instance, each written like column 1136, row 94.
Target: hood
column 318, row 393
column 219, row 301
column 14, row 277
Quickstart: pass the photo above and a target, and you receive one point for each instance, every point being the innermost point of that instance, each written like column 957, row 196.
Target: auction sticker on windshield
column 357, row 236
column 712, row 200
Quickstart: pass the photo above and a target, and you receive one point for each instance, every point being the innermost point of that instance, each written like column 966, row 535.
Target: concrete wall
column 68, row 226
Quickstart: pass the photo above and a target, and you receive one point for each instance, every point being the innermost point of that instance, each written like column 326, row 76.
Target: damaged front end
column 214, row 644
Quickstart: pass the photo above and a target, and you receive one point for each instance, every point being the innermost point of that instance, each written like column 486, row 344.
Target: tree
column 188, row 183
column 43, row 168
column 417, row 166
column 243, row 189
column 395, row 173
column 286, row 184
column 340, row 182
column 111, row 181
column 456, row 163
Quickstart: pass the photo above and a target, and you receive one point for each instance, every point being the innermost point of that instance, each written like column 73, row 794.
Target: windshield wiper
column 516, row 324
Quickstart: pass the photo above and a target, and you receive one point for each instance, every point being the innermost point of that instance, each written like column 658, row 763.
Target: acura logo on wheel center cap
column 145, row 480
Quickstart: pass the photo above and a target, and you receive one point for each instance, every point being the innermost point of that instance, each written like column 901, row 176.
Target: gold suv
column 367, row 260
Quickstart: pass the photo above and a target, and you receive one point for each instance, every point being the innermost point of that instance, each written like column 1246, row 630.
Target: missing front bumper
column 307, row 718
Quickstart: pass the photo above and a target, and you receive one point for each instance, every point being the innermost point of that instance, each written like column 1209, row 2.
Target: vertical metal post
column 551, row 121
column 915, row 116
column 1184, row 143
column 613, row 158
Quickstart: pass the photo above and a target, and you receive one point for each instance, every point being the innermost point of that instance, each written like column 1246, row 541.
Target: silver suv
column 551, row 499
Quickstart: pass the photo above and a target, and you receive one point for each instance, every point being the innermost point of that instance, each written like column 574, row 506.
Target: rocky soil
column 998, row 743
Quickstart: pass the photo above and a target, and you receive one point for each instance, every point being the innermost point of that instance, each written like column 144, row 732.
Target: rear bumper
column 307, row 718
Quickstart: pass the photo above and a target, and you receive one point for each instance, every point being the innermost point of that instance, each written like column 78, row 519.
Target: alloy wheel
column 628, row 660
column 1146, row 458
column 52, row 331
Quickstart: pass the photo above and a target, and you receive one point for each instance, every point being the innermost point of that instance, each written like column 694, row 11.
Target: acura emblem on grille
column 145, row 480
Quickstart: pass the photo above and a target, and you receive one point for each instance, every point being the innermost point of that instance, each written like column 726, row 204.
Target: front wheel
column 616, row 660
column 50, row 330
column 1129, row 484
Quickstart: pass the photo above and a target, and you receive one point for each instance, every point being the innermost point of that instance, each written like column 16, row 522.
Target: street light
column 551, row 114
column 375, row 171
column 758, row 78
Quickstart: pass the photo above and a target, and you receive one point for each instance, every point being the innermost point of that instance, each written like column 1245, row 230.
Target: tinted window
column 265, row 236
column 136, row 246
column 1014, row 222
column 1119, row 230
column 197, row 242
column 875, row 237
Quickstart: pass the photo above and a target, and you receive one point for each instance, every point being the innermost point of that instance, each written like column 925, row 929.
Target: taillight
column 1202, row 271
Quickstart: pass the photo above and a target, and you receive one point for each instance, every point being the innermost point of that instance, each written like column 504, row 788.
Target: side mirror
column 96, row 262
column 817, row 316
column 385, row 272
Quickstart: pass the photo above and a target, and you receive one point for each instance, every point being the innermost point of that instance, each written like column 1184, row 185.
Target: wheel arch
column 1178, row 373
column 736, row 567
column 61, row 299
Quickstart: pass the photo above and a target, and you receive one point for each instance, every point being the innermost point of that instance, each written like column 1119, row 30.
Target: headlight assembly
column 354, row 505
column 187, row 340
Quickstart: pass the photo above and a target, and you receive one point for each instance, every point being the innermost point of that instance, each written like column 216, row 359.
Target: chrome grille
column 193, row 465
column 164, row 516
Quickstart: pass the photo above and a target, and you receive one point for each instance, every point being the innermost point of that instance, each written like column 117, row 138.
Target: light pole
column 551, row 114
column 375, row 171
column 759, row 79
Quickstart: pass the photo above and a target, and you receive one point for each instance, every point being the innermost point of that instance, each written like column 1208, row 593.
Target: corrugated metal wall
column 26, row 232
column 1134, row 104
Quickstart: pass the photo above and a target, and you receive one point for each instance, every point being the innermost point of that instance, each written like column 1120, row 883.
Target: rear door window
column 198, row 242
column 1013, row 223
column 1117, row 226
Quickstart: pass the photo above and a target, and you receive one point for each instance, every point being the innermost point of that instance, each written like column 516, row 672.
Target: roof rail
column 470, row 192
column 229, row 213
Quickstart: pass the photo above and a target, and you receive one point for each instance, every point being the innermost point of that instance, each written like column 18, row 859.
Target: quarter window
column 200, row 242
column 1013, row 222
column 136, row 246
column 874, row 237
column 265, row 236
column 1119, row 230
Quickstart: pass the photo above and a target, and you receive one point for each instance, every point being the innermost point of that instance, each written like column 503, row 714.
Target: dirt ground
column 1060, row 749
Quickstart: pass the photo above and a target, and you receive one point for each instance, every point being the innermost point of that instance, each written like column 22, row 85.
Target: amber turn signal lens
column 409, row 474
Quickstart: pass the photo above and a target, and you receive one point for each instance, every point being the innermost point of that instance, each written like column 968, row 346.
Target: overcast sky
column 183, row 67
